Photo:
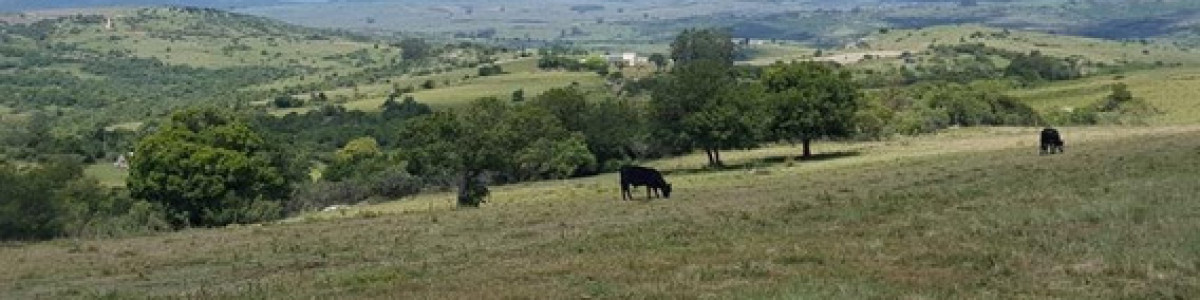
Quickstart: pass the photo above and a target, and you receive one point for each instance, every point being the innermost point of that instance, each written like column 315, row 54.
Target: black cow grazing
column 1051, row 142
column 647, row 177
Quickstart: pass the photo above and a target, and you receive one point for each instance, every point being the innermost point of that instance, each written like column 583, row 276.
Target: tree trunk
column 807, row 148
column 714, row 157
column 465, row 184
column 717, row 159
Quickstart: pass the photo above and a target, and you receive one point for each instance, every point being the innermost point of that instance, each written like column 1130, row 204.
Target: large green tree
column 208, row 168
column 595, row 120
column 702, row 105
column 568, row 104
column 810, row 100
column 490, row 136
column 360, row 157
column 414, row 49
column 659, row 60
column 29, row 208
column 53, row 198
column 408, row 108
column 1037, row 67
column 613, row 144
column 693, row 45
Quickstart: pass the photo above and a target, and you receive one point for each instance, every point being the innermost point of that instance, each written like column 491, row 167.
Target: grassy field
column 128, row 126
column 519, row 74
column 107, row 174
column 964, row 214
column 1099, row 50
column 492, row 86
column 201, row 39
column 891, row 43
column 183, row 38
column 761, row 55
column 1172, row 91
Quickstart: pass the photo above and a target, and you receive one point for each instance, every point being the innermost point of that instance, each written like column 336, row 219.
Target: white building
column 628, row 58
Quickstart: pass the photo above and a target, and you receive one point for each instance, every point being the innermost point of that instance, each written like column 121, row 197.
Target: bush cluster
column 53, row 199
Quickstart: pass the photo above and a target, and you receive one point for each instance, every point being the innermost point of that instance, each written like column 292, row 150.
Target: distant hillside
column 124, row 65
column 893, row 43
column 622, row 25
column 26, row 5
column 1092, row 49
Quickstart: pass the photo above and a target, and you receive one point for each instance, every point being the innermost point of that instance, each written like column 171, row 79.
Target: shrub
column 405, row 109
column 204, row 161
column 490, row 70
column 395, row 183
column 921, row 120
column 518, row 95
column 1037, row 67
column 1076, row 116
column 92, row 211
column 321, row 194
column 558, row 62
column 236, row 210
column 53, row 199
column 551, row 159
column 871, row 121
column 287, row 101
column 972, row 105
column 27, row 208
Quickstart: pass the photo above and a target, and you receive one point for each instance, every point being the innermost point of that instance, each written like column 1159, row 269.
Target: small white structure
column 749, row 41
column 123, row 161
column 628, row 58
column 336, row 207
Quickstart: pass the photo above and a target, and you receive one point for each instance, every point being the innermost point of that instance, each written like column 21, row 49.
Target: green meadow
column 1172, row 91
column 965, row 214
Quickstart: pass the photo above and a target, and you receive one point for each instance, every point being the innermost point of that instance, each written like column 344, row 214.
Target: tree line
column 234, row 175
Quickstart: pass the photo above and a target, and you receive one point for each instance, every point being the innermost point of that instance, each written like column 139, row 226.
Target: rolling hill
column 131, row 64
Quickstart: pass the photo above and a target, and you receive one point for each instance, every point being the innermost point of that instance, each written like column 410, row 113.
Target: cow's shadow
column 768, row 161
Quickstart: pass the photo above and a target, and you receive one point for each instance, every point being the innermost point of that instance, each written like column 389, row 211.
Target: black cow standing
column 1051, row 142
column 647, row 177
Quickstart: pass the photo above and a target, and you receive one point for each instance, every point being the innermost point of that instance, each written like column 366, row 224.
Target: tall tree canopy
column 659, row 60
column 810, row 100
column 414, row 49
column 1036, row 67
column 359, row 157
column 694, row 45
column 525, row 141
column 28, row 207
column 701, row 104
column 597, row 121
column 208, row 169
column 567, row 104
